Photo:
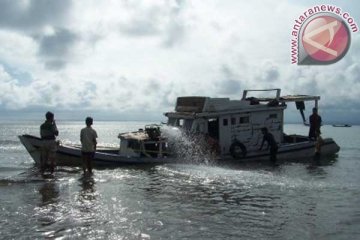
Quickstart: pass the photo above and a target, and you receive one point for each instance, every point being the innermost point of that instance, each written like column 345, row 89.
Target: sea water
column 178, row 201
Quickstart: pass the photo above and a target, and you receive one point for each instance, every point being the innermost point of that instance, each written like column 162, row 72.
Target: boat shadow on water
column 310, row 163
column 33, row 174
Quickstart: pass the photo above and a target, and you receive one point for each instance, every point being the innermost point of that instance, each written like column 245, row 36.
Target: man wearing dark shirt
column 315, row 124
column 269, row 138
column 48, row 133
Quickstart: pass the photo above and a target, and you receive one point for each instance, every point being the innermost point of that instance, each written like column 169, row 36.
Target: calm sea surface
column 179, row 201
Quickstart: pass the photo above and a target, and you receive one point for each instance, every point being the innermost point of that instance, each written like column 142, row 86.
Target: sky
column 131, row 59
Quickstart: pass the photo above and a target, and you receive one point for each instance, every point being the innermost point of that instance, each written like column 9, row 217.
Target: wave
column 8, row 181
column 9, row 142
column 11, row 169
column 11, row 146
column 245, row 178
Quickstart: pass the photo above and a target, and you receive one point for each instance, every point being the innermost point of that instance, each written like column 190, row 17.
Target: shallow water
column 178, row 201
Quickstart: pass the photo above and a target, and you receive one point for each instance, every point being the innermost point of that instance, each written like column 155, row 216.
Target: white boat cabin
column 228, row 121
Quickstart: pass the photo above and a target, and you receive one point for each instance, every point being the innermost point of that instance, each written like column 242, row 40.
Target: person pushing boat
column 269, row 138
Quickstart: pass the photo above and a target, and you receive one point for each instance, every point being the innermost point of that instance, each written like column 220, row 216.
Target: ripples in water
column 178, row 200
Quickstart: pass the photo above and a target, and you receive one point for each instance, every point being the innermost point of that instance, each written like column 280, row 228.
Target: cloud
column 13, row 95
column 35, row 19
column 31, row 15
column 55, row 48
column 229, row 85
column 162, row 19
column 138, row 56
column 268, row 75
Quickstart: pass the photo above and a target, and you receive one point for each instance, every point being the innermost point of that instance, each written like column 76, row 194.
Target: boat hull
column 293, row 151
column 71, row 156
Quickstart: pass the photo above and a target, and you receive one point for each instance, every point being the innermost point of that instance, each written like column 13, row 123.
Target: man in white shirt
column 88, row 145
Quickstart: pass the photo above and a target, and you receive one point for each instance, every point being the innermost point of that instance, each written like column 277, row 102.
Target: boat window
column 274, row 115
column 172, row 121
column 133, row 144
column 187, row 123
column 244, row 120
column 213, row 128
column 233, row 121
column 199, row 127
column 225, row 122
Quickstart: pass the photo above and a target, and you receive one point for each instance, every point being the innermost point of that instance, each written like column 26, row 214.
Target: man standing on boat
column 269, row 138
column 315, row 124
column 48, row 133
column 88, row 145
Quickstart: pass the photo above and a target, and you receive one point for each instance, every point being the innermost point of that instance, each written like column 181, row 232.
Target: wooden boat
column 224, row 129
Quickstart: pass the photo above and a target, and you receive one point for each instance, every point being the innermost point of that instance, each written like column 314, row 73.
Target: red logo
column 325, row 39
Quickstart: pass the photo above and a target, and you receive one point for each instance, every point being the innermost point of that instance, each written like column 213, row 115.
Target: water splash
column 190, row 147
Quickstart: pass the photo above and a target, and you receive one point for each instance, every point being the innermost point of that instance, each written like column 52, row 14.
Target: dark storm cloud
column 176, row 30
column 55, row 48
column 353, row 72
column 143, row 22
column 229, row 85
column 269, row 74
column 57, row 44
column 141, row 27
column 55, row 64
column 30, row 17
column 167, row 23
column 32, row 14
column 176, row 33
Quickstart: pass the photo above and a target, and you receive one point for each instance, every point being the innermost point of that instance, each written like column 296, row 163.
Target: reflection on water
column 58, row 214
column 49, row 193
column 87, row 192
column 47, row 211
column 185, row 201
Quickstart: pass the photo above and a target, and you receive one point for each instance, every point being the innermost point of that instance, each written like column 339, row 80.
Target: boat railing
column 152, row 148
column 277, row 95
